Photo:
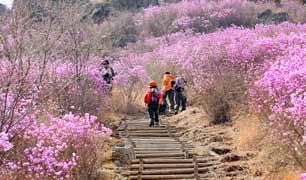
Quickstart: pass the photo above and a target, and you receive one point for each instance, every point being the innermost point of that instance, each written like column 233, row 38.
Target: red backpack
column 153, row 97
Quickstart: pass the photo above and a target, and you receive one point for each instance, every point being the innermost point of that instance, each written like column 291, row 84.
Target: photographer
column 107, row 71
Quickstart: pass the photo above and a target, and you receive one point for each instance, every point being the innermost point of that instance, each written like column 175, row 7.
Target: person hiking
column 168, row 92
column 180, row 97
column 107, row 71
column 153, row 99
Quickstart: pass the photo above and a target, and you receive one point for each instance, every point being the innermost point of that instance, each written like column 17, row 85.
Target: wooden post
column 126, row 128
column 140, row 169
column 196, row 168
column 182, row 144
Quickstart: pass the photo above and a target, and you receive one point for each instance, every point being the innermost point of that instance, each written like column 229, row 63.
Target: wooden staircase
column 160, row 155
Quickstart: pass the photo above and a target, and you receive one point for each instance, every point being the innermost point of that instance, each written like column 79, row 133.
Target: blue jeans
column 170, row 96
column 180, row 100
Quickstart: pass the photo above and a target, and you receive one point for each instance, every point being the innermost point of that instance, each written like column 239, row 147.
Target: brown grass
column 249, row 133
column 252, row 134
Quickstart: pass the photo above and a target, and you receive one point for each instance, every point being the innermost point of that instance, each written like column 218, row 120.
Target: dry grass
column 249, row 133
column 132, row 104
column 252, row 134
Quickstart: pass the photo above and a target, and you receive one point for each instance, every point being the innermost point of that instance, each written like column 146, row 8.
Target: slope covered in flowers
column 234, row 68
column 53, row 100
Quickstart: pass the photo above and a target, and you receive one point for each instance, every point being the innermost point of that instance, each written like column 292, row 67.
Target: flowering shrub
column 281, row 94
column 201, row 16
column 44, row 75
column 130, row 80
column 84, row 90
column 5, row 145
column 234, row 57
column 53, row 149
column 208, row 16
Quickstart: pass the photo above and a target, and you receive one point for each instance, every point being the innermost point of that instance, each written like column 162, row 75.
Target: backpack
column 108, row 76
column 172, row 83
column 154, row 96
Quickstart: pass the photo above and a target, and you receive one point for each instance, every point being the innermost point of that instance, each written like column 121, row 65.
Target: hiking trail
column 160, row 154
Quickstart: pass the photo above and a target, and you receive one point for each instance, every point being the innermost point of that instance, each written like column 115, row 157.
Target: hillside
column 83, row 82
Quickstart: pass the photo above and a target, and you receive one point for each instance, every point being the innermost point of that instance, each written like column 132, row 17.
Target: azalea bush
column 50, row 82
column 129, row 82
column 201, row 16
column 280, row 95
column 222, row 65
column 54, row 149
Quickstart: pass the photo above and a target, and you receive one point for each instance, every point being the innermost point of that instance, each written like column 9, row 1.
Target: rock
column 2, row 9
column 215, row 139
column 220, row 150
column 100, row 12
column 133, row 4
column 258, row 173
column 266, row 14
column 268, row 17
column 280, row 17
column 124, row 40
column 122, row 155
column 231, row 158
column 105, row 173
column 233, row 168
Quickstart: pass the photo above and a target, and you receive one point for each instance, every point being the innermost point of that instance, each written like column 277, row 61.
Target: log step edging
column 171, row 171
column 184, row 165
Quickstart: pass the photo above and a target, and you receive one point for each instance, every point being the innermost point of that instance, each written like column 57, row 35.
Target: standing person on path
column 180, row 97
column 153, row 99
column 107, row 71
column 168, row 90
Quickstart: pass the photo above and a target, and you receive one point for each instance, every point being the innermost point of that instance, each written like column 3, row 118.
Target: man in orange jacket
column 168, row 82
column 153, row 99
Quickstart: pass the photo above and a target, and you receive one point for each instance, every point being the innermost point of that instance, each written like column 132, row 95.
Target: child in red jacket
column 153, row 99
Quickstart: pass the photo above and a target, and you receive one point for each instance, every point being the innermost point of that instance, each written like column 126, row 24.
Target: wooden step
column 156, row 152
column 149, row 134
column 169, row 171
column 148, row 129
column 180, row 154
column 159, row 177
column 160, row 149
column 152, row 130
column 165, row 160
column 168, row 166
column 160, row 146
column 157, row 142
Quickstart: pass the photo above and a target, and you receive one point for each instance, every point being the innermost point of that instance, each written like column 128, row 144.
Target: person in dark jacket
column 107, row 71
column 153, row 99
column 180, row 97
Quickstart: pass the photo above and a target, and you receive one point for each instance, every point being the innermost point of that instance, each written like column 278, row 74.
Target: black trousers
column 153, row 114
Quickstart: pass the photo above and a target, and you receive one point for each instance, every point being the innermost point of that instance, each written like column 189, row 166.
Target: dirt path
column 161, row 153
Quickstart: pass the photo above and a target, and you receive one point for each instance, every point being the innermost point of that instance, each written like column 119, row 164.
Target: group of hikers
column 171, row 98
column 157, row 100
